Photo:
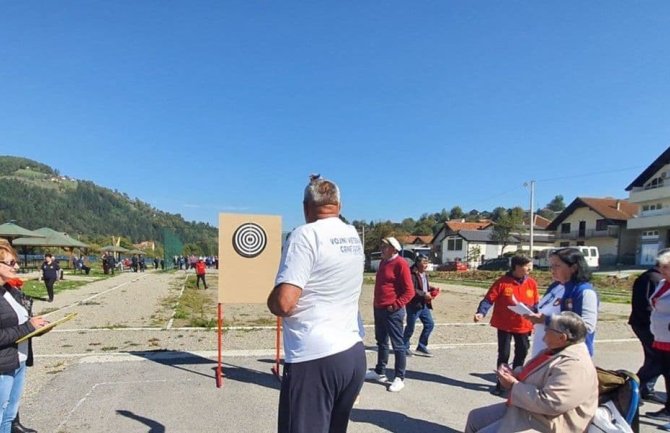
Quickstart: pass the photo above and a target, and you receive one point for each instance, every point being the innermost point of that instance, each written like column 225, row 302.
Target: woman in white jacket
column 660, row 327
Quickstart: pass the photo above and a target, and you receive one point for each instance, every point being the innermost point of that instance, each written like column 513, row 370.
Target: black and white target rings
column 249, row 240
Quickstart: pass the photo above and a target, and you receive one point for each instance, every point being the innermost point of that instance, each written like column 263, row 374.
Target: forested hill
column 35, row 195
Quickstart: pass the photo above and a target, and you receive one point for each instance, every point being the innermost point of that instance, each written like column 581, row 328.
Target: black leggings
column 521, row 345
column 50, row 288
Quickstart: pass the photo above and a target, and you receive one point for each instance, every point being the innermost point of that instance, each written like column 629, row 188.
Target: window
column 565, row 228
column 656, row 182
column 601, row 225
column 455, row 244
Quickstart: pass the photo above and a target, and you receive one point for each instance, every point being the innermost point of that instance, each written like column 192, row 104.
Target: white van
column 590, row 253
column 408, row 255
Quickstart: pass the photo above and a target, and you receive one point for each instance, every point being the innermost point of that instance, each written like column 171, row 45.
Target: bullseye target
column 249, row 240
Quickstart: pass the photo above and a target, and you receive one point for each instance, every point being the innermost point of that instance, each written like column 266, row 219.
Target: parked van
column 591, row 255
column 408, row 255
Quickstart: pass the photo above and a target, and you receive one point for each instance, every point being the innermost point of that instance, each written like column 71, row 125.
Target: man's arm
column 283, row 299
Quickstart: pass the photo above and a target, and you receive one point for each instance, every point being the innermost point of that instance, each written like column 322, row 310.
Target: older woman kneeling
column 557, row 391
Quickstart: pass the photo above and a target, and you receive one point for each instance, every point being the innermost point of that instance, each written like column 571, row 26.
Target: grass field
column 609, row 288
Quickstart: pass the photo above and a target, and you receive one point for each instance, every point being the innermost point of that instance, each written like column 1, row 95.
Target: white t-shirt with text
column 325, row 259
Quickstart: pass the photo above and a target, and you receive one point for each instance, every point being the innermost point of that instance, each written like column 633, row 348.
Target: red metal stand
column 219, row 368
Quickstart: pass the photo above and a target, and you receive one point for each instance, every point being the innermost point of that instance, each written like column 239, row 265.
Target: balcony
column 640, row 195
column 611, row 232
column 653, row 221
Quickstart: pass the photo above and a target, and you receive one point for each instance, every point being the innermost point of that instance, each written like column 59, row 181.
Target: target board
column 249, row 252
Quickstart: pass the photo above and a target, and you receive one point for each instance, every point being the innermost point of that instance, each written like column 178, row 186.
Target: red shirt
column 200, row 268
column 393, row 284
column 505, row 291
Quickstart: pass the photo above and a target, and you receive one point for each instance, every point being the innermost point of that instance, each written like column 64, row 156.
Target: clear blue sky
column 201, row 107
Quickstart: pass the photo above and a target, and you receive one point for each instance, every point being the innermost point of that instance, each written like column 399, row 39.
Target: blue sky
column 201, row 107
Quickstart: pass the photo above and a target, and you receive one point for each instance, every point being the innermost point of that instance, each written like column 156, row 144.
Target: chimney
column 618, row 205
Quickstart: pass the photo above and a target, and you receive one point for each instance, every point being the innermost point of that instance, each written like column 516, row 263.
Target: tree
column 456, row 213
column 509, row 223
column 557, row 204
column 473, row 215
column 474, row 254
column 498, row 213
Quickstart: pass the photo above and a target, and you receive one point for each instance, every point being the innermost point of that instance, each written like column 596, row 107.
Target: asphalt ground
column 117, row 369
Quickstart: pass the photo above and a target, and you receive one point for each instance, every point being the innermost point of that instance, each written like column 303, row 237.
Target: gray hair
column 570, row 324
column 663, row 257
column 321, row 192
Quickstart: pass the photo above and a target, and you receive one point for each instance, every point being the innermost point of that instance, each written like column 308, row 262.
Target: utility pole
column 532, row 214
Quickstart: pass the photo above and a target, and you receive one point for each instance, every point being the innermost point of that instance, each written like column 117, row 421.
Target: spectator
column 570, row 291
column 660, row 328
column 200, row 270
column 316, row 293
column 15, row 322
column 557, row 391
column 420, row 306
column 393, row 290
column 515, row 287
column 643, row 287
column 50, row 273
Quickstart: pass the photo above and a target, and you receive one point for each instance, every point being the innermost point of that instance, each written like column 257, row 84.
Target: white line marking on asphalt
column 90, row 391
column 74, row 304
column 91, row 357
column 174, row 307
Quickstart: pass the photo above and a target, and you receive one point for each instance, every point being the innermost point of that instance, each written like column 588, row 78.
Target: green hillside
column 35, row 195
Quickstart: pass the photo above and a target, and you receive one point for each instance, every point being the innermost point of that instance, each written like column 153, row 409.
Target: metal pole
column 532, row 216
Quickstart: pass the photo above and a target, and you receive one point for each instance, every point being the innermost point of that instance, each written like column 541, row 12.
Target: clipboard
column 47, row 328
column 521, row 309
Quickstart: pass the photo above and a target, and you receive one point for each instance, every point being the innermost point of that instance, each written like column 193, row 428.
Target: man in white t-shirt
column 316, row 293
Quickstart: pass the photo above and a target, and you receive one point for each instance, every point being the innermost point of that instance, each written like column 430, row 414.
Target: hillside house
column 599, row 222
column 651, row 227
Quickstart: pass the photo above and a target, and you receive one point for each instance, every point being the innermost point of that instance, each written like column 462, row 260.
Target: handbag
column 608, row 420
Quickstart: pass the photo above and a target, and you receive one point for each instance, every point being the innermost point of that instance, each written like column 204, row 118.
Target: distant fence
column 173, row 246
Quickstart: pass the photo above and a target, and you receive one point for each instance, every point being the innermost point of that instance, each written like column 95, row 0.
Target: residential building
column 448, row 246
column 651, row 192
column 599, row 222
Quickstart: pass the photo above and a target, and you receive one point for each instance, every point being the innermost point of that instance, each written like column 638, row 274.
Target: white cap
column 393, row 242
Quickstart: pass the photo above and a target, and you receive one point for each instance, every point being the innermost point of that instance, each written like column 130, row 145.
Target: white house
column 651, row 191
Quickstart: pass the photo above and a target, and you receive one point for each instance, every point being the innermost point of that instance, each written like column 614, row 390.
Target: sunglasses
column 10, row 263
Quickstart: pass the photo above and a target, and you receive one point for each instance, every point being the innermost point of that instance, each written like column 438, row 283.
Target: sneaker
column 659, row 414
column 425, row 352
column 397, row 385
column 373, row 375
column 408, row 352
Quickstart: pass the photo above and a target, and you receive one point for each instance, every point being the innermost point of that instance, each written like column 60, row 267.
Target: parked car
column 499, row 264
column 453, row 266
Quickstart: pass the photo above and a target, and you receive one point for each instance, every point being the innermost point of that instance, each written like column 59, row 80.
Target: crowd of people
column 316, row 294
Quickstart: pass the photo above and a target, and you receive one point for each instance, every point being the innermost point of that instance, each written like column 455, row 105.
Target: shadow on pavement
column 491, row 377
column 398, row 422
column 154, row 426
column 430, row 377
column 175, row 359
column 248, row 375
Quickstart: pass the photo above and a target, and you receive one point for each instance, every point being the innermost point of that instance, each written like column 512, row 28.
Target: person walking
column 420, row 307
column 316, row 294
column 640, row 322
column 515, row 287
column 50, row 273
column 393, row 290
column 200, row 270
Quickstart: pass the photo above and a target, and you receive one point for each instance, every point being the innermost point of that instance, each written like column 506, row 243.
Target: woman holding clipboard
column 15, row 322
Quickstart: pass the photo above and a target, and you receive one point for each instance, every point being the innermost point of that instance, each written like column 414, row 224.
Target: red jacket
column 505, row 291
column 393, row 284
column 200, row 268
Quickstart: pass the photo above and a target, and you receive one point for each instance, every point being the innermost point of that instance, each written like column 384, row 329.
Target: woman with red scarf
column 15, row 322
column 555, row 391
